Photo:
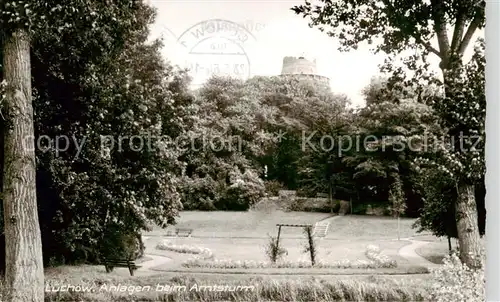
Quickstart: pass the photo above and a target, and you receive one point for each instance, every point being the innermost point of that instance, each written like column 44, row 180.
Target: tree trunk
column 399, row 228
column 467, row 228
column 350, row 204
column 24, row 274
column 330, row 197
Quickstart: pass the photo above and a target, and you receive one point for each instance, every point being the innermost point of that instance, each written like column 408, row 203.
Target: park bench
column 110, row 263
column 182, row 232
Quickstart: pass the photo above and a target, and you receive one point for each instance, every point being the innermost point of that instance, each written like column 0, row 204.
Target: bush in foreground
column 455, row 281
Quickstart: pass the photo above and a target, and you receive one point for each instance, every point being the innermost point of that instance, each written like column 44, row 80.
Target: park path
column 409, row 253
column 155, row 261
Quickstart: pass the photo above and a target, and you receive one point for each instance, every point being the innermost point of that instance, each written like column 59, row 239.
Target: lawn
column 434, row 251
column 438, row 248
column 370, row 227
column 243, row 236
column 256, row 224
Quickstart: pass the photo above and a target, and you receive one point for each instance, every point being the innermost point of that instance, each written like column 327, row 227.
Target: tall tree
column 24, row 271
column 20, row 22
column 409, row 24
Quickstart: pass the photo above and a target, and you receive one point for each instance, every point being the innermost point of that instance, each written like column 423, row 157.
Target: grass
column 434, row 251
column 358, row 227
column 438, row 248
column 143, row 259
column 98, row 285
column 88, row 273
column 343, row 242
column 256, row 224
column 347, row 239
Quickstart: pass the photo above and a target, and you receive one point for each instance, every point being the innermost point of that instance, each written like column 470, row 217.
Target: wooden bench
column 183, row 232
column 111, row 263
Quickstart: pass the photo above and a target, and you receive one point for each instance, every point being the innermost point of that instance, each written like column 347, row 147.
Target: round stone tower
column 302, row 68
column 300, row 65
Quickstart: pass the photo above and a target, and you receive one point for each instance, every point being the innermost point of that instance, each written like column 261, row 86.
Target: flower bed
column 201, row 253
column 228, row 263
column 377, row 260
column 374, row 253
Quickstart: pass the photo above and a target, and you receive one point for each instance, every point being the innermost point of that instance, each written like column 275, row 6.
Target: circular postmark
column 168, row 34
column 170, row 49
column 216, row 47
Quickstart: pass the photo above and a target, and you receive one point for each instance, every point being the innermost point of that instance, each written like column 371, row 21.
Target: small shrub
column 454, row 281
column 246, row 189
column 273, row 187
column 273, row 251
column 119, row 244
column 200, row 193
column 311, row 204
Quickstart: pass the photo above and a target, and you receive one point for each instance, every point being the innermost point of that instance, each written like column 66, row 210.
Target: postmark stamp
column 217, row 47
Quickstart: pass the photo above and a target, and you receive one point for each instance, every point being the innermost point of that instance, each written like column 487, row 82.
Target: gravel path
column 155, row 261
column 409, row 252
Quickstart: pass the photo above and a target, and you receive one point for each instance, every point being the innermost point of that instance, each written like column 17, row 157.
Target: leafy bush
column 438, row 214
column 273, row 251
column 200, row 193
column 273, row 187
column 311, row 204
column 245, row 190
column 118, row 244
column 454, row 281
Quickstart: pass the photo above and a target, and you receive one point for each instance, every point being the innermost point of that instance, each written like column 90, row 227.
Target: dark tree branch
column 438, row 16
column 469, row 33
column 428, row 46
column 458, row 32
column 417, row 38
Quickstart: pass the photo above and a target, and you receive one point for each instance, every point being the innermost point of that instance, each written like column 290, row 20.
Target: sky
column 265, row 31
